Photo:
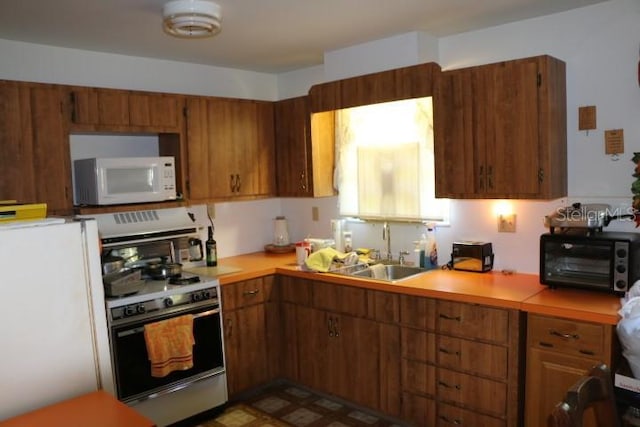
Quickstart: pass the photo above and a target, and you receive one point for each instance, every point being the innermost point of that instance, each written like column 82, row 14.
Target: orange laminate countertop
column 96, row 409
column 517, row 291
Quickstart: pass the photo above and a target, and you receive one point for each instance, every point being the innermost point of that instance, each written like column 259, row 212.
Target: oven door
column 131, row 363
column 576, row 263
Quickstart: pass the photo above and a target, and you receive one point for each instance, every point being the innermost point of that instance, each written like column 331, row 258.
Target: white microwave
column 112, row 181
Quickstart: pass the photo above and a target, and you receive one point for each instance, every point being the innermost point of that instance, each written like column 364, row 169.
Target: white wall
column 599, row 43
column 600, row 46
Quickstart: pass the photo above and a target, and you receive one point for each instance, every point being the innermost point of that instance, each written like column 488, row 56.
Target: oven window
column 575, row 263
column 131, row 362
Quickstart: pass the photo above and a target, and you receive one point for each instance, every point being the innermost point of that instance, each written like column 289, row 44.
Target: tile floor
column 290, row 405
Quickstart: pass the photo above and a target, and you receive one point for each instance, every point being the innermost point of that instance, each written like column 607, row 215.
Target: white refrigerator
column 53, row 332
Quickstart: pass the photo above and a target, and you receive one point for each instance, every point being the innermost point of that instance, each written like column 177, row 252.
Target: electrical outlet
column 507, row 223
column 211, row 210
column 315, row 213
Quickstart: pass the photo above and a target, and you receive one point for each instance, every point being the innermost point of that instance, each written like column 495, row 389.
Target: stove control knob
column 129, row 310
column 621, row 268
column 621, row 284
column 196, row 297
column 168, row 302
column 206, row 294
column 140, row 309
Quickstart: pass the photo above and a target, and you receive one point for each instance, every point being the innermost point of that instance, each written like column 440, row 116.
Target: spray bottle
column 431, row 250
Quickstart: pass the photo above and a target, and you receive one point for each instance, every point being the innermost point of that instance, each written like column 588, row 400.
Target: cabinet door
column 507, row 117
column 314, row 340
column 457, row 168
column 245, row 348
column 230, row 148
column 92, row 106
column 293, row 147
column 155, row 110
column 499, row 131
column 353, row 360
column 34, row 148
column 51, row 151
column 549, row 376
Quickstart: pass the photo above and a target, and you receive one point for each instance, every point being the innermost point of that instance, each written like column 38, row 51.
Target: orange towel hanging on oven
column 170, row 345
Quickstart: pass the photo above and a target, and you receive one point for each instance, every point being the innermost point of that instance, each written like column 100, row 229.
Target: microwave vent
column 137, row 217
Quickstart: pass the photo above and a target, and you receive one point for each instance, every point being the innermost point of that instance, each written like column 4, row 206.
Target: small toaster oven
column 472, row 256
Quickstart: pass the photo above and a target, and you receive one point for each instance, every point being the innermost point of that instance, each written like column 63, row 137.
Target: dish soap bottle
column 212, row 252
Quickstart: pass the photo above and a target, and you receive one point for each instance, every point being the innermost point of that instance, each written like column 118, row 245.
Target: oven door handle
column 141, row 328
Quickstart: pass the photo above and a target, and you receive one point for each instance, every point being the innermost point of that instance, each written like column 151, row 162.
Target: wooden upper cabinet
column 402, row 83
column 230, row 144
column 34, row 146
column 500, row 131
column 304, row 166
column 94, row 109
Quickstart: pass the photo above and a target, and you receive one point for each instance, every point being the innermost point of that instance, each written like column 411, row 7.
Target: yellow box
column 9, row 211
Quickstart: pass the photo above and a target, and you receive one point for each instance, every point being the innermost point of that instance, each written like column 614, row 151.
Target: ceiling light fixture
column 192, row 18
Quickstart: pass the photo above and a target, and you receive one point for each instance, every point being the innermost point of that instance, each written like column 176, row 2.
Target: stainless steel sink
column 385, row 272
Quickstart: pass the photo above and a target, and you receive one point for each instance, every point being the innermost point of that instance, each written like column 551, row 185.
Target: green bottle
column 212, row 253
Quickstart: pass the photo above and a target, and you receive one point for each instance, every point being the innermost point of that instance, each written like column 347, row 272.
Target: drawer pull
column 456, row 318
column 449, row 352
column 330, row 327
column 545, row 344
column 443, row 384
column 564, row 335
column 454, row 421
column 587, row 352
column 250, row 293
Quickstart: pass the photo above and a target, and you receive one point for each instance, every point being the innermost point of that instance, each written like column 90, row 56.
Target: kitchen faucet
column 386, row 235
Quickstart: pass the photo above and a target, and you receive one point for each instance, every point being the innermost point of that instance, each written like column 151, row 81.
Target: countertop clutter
column 517, row 291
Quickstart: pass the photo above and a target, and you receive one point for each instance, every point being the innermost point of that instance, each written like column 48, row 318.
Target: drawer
column 419, row 410
column 418, row 312
column 294, row 290
column 449, row 416
column 566, row 336
column 472, row 357
column 249, row 292
column 473, row 321
column 418, row 377
column 478, row 393
column 340, row 299
column 418, row 345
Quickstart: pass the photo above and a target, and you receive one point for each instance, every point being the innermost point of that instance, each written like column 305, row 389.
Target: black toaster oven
column 603, row 261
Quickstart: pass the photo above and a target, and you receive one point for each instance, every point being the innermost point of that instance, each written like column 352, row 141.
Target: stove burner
column 179, row 280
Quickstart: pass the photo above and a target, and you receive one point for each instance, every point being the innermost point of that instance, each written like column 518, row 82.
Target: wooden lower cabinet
column 245, row 326
column 460, row 363
column 559, row 352
column 339, row 354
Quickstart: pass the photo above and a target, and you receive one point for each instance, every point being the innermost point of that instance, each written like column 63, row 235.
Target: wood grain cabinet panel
column 230, row 145
column 500, row 130
column 96, row 109
column 472, row 391
column 463, row 358
column 473, row 321
column 475, row 357
column 304, row 165
column 34, row 146
column 246, row 324
column 454, row 416
column 559, row 352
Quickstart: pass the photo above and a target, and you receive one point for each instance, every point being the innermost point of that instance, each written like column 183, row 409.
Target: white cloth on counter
column 628, row 328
